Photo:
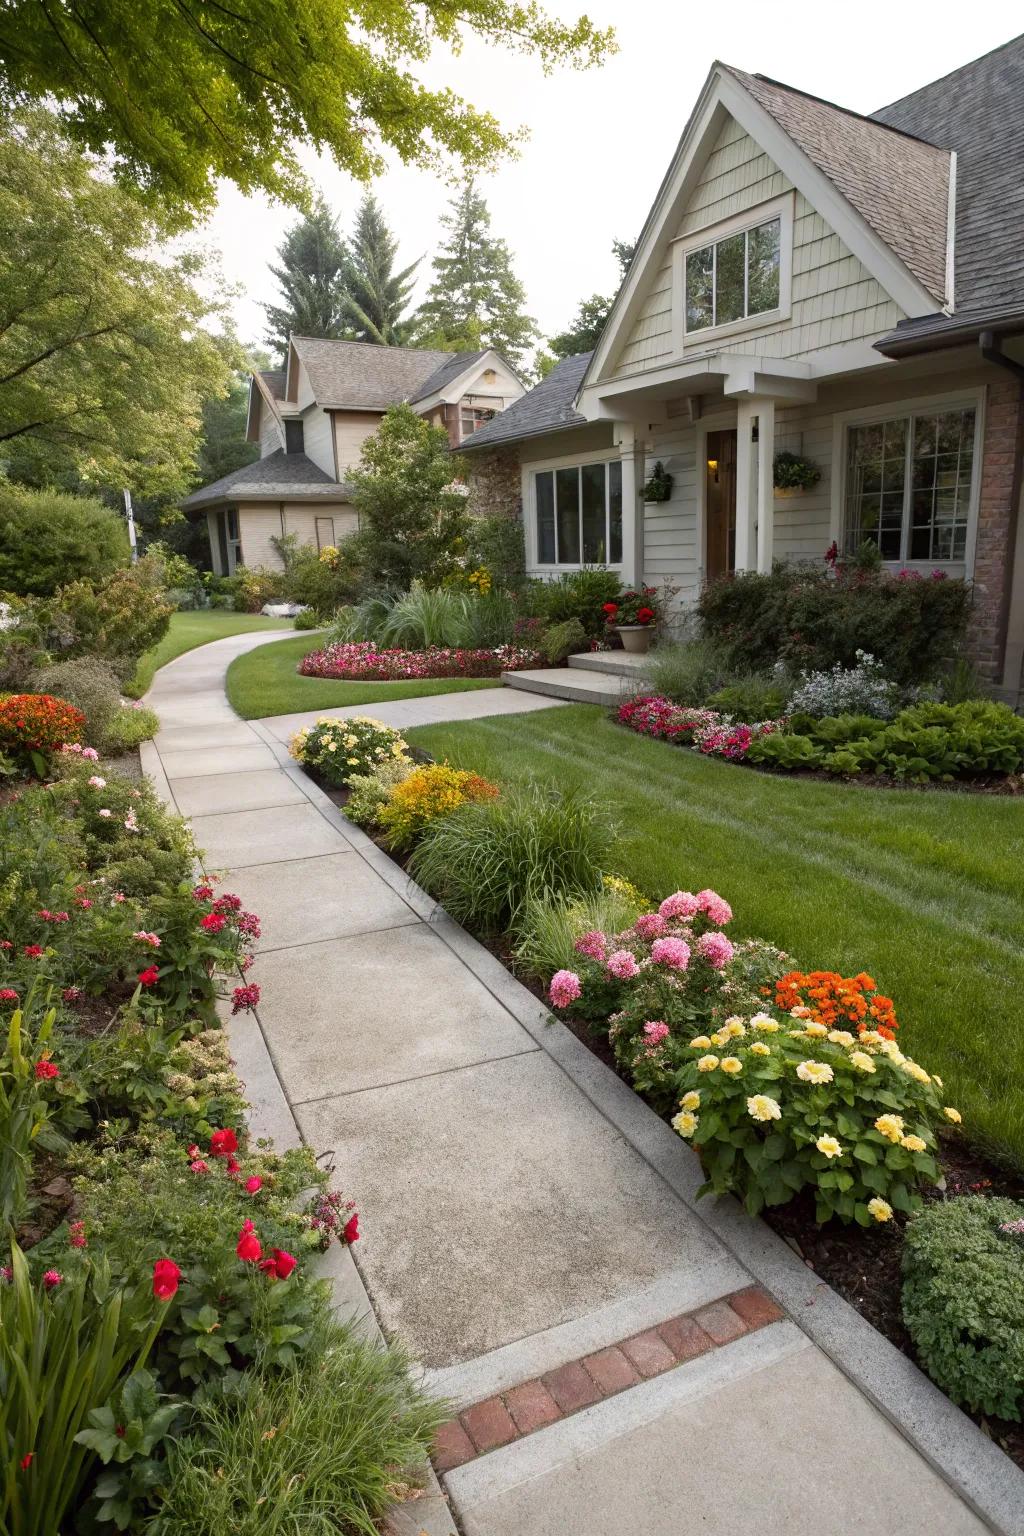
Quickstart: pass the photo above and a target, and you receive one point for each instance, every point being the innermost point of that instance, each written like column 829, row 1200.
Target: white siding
column 351, row 429
column 317, row 439
column 258, row 526
column 271, row 436
column 834, row 299
column 671, row 545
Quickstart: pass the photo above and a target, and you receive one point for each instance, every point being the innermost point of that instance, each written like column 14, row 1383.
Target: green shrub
column 92, row 686
column 484, row 862
column 549, row 926
column 369, row 793
column 429, row 792
column 562, row 640
column 963, row 1301
column 48, row 538
column 755, row 696
column 490, row 619
column 576, row 595
column 129, row 727
column 344, row 749
column 497, row 543
column 307, row 619
column 252, row 588
column 115, row 619
column 423, row 616
column 813, row 621
column 324, row 1447
column 324, row 579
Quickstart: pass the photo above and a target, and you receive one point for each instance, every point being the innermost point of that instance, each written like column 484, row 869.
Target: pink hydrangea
column 672, row 952
column 716, row 949
column 650, row 926
column 656, row 1031
column 680, row 904
column 592, row 944
column 622, row 965
column 714, row 907
column 564, row 989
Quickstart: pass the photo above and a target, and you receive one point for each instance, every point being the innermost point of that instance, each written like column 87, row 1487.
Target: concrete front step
column 621, row 663
column 574, row 683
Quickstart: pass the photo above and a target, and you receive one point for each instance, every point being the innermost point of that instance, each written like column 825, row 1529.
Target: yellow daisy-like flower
column 732, row 1065
column 880, row 1209
column 685, row 1123
column 829, row 1146
column 765, row 1024
column 760, row 1049
column 816, row 1031
column 917, row 1073
column 841, row 1037
column 814, row 1072
column 952, row 1114
column 699, row 1043
column 862, row 1061
column 871, row 1037
column 690, row 1100
column 720, row 1038
column 914, row 1144
column 763, row 1107
column 890, row 1126
column 735, row 1027
column 707, row 1064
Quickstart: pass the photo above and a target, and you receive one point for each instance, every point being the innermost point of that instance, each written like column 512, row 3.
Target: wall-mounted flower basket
column 658, row 486
column 794, row 474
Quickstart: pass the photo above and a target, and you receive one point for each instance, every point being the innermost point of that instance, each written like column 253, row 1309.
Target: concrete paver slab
column 216, row 733
column 211, row 793
column 304, row 900
column 498, row 1204
column 350, row 1014
column 203, row 761
column 238, row 838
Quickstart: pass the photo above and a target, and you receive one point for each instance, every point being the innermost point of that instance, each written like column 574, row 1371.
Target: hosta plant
column 778, row 1105
column 341, row 750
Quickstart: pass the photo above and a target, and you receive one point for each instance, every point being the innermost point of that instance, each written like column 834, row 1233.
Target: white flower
column 829, row 1147
column 685, row 1123
column 104, row 813
column 762, row 1107
column 814, row 1072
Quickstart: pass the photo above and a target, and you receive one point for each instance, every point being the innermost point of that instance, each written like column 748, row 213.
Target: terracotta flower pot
column 636, row 638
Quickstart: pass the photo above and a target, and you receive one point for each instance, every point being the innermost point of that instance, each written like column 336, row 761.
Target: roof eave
column 954, row 333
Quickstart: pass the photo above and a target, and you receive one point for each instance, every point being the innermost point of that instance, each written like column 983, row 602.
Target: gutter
column 1007, row 323
column 991, row 351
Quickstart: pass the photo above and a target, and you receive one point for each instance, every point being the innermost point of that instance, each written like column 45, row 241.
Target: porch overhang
column 733, row 375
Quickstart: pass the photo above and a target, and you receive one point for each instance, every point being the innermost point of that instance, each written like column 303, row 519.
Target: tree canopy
column 475, row 299
column 312, row 260
column 377, row 301
column 583, row 332
column 180, row 93
column 105, row 352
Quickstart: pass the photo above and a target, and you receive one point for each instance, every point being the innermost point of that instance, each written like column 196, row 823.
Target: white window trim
column 529, row 499
column 965, row 399
column 781, row 208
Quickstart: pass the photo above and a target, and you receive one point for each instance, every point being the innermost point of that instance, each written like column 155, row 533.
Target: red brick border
column 523, row 1409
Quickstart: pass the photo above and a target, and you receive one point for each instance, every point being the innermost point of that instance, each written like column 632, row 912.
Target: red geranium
column 223, row 1143
column 644, row 615
column 166, row 1276
column 248, row 1246
column 609, row 607
column 350, row 1231
column 253, row 1185
column 149, row 977
column 213, row 922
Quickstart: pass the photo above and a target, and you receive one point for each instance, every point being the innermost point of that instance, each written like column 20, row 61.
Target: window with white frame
column 578, row 514
column 908, row 484
column 734, row 278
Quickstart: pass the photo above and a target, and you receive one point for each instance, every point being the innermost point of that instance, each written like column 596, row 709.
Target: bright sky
column 600, row 141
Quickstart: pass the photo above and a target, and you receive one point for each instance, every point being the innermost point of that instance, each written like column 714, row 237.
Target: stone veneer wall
column 997, row 511
column 494, row 483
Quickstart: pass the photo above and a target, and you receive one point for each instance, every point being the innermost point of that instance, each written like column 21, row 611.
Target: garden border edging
column 972, row 1464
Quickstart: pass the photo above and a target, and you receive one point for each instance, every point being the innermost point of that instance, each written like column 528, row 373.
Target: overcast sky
column 600, row 141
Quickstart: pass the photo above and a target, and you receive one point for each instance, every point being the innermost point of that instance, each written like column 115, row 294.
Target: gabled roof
column 276, row 477
column 898, row 183
column 546, row 408
column 455, row 364
column 364, row 376
column 274, row 379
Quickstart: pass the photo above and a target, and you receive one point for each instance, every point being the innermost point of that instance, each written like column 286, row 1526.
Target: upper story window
column 734, row 278
column 909, row 484
column 472, row 417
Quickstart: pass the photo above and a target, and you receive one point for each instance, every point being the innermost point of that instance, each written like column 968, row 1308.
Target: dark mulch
column 50, row 1199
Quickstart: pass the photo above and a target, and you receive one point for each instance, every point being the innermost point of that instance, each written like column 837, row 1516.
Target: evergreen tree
column 584, row 332
column 378, row 296
column 312, row 280
column 475, row 300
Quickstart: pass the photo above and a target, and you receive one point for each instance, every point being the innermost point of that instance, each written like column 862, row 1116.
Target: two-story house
column 311, row 419
column 849, row 288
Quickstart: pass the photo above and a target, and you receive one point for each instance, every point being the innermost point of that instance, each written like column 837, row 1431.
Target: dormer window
column 737, row 274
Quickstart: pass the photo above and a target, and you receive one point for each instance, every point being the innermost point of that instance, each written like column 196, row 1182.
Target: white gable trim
column 723, row 96
column 461, row 384
column 259, row 399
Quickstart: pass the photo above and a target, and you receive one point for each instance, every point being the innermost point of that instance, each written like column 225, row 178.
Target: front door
column 720, row 504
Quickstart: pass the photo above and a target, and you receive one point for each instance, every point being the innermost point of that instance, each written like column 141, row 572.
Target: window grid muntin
column 713, row 246
column 546, row 506
column 946, row 536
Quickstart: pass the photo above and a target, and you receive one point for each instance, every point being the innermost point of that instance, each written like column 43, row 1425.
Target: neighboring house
column 311, row 419
column 849, row 288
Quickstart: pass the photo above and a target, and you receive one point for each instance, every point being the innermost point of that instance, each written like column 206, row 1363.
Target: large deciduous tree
column 475, row 300
column 106, row 355
column 181, row 92
column 377, row 302
column 311, row 275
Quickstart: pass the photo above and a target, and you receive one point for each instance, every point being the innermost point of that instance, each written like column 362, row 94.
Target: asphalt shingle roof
column 279, row 476
column 274, row 379
column 546, row 408
column 362, row 374
column 456, row 363
column 897, row 183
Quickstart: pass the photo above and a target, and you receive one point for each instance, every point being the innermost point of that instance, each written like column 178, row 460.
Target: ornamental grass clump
column 963, row 1300
column 341, row 750
column 778, row 1105
column 435, row 790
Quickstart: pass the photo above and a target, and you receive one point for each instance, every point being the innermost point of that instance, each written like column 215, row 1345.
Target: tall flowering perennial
column 835, row 1001
column 340, row 750
column 363, row 661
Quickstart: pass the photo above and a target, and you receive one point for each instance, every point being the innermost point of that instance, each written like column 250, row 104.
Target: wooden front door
column 720, row 504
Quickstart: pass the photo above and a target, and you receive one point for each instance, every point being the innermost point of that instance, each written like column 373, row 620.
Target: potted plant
column 658, row 486
column 793, row 473
column 634, row 617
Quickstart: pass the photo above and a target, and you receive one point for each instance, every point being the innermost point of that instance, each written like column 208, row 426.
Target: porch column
column 746, row 487
column 765, row 484
column 631, row 453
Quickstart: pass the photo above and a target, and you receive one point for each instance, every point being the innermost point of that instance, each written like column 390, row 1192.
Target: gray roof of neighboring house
column 279, row 476
column 454, row 364
column 364, row 375
column 274, row 379
column 548, row 407
column 978, row 111
column 898, row 183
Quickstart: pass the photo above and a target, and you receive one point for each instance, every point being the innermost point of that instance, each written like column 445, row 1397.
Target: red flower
column 644, row 615
column 51, row 1279
column 203, row 892
column 149, row 977
column 76, row 1234
column 279, row 1265
column 166, row 1276
column 254, row 1185
column 33, row 951
column 233, row 1166
column 350, row 1231
column 223, row 1143
column 71, row 994
column 8, row 995
column 26, row 1461
column 46, row 1069
column 248, row 1246
column 228, row 903
column 213, row 922
column 245, row 997
column 609, row 607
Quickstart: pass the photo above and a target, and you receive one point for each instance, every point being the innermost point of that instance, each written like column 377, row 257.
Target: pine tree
column 378, row 296
column 584, row 332
column 475, row 300
column 311, row 275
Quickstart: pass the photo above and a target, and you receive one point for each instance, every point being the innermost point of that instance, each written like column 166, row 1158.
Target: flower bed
column 363, row 661
column 707, row 730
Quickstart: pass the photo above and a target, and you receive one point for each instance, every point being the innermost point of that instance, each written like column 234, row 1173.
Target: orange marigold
column 832, row 999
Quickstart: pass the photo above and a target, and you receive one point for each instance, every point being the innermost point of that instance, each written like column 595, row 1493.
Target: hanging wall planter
column 658, row 486
column 793, row 474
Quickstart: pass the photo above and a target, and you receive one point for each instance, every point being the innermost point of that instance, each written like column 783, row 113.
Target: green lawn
column 189, row 630
column 265, row 682
column 921, row 888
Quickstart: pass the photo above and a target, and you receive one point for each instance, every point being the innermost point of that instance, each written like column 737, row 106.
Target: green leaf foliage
column 48, row 538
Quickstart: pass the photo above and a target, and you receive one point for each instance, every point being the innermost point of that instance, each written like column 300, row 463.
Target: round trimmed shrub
column 963, row 1300
column 48, row 538
column 92, row 686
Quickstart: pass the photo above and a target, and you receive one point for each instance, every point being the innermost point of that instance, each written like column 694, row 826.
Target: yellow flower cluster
column 618, row 885
column 435, row 790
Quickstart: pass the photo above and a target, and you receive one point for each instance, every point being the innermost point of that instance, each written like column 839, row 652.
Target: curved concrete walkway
column 529, row 1227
